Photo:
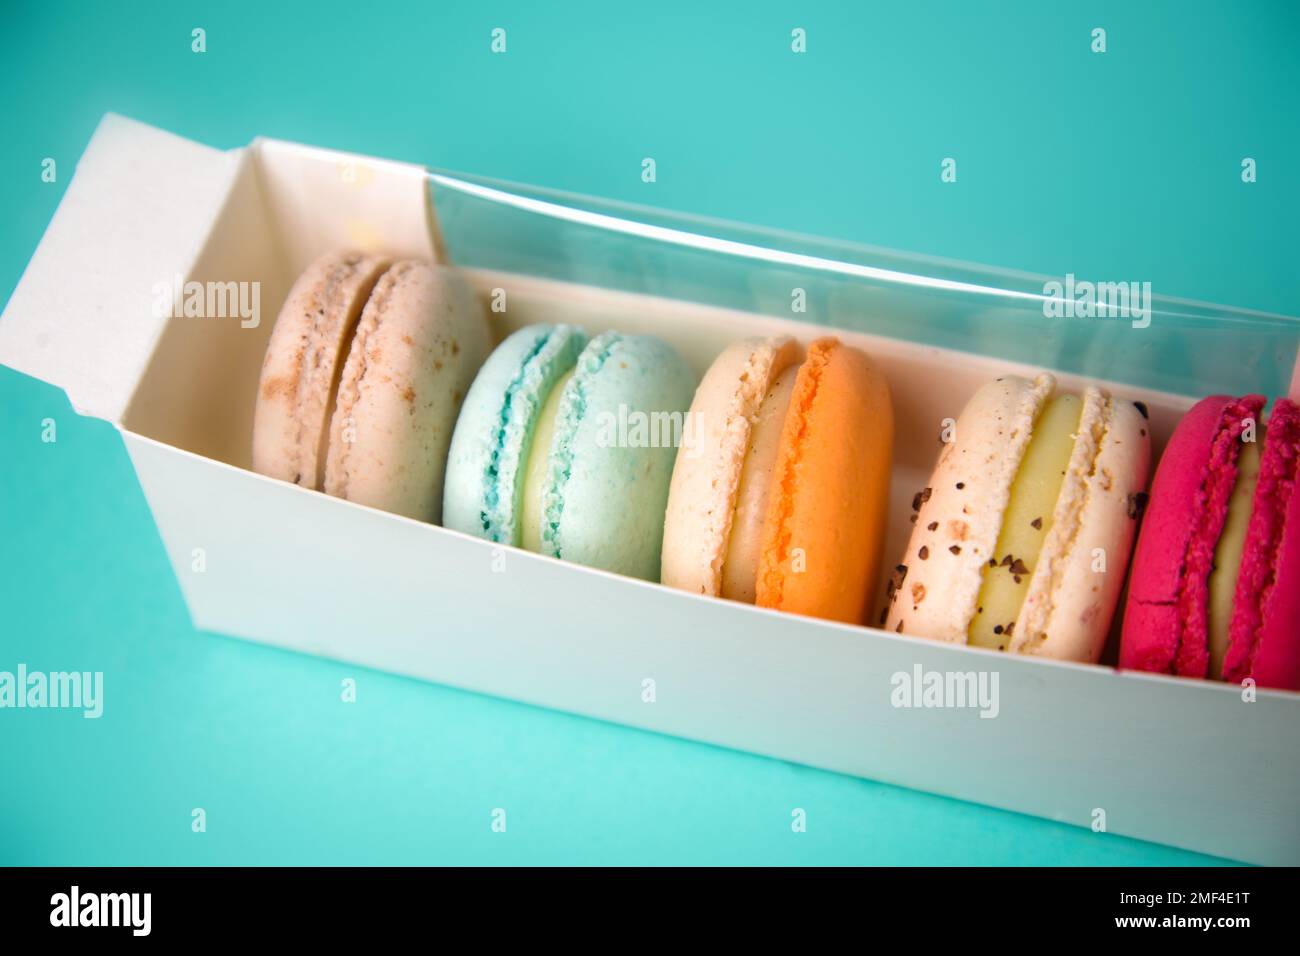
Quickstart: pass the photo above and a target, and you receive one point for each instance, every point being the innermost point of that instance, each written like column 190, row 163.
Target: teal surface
column 1112, row 165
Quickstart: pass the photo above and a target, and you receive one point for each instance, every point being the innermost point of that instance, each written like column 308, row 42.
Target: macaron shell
column 828, row 504
column 1177, row 522
column 420, row 340
column 1067, row 612
column 706, row 476
column 934, row 589
column 1265, row 628
column 1277, row 658
column 306, row 350
column 607, row 486
column 495, row 428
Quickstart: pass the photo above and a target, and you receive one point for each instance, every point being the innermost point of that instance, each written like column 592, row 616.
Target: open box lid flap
column 135, row 214
column 138, row 217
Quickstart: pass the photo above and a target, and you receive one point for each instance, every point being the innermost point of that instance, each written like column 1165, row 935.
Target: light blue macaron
column 611, row 454
column 494, row 433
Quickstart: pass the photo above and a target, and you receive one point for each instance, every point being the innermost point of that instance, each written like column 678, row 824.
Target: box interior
column 289, row 204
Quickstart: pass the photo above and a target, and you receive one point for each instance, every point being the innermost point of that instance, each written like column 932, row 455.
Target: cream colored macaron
column 363, row 378
column 1023, row 534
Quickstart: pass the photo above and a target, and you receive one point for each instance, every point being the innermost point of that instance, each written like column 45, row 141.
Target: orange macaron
column 780, row 494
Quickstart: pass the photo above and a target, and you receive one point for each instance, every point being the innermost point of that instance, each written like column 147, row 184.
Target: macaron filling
column 496, row 430
column 1026, row 523
column 533, row 485
column 740, row 565
column 1228, row 554
column 541, row 375
column 1192, row 658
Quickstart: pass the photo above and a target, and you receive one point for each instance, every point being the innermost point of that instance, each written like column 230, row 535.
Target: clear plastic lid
column 1128, row 335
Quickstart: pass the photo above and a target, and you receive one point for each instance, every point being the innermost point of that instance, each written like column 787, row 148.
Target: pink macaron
column 1215, row 585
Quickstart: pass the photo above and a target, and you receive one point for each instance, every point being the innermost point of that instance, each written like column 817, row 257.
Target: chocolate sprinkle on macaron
column 1137, row 503
column 896, row 581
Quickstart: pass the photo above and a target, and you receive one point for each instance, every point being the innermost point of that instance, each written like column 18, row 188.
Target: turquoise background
column 1060, row 153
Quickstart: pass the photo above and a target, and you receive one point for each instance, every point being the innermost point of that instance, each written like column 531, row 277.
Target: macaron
column 565, row 446
column 1215, row 587
column 1023, row 532
column 363, row 378
column 781, row 498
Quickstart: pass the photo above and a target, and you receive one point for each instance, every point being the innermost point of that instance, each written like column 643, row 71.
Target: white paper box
column 1180, row 762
